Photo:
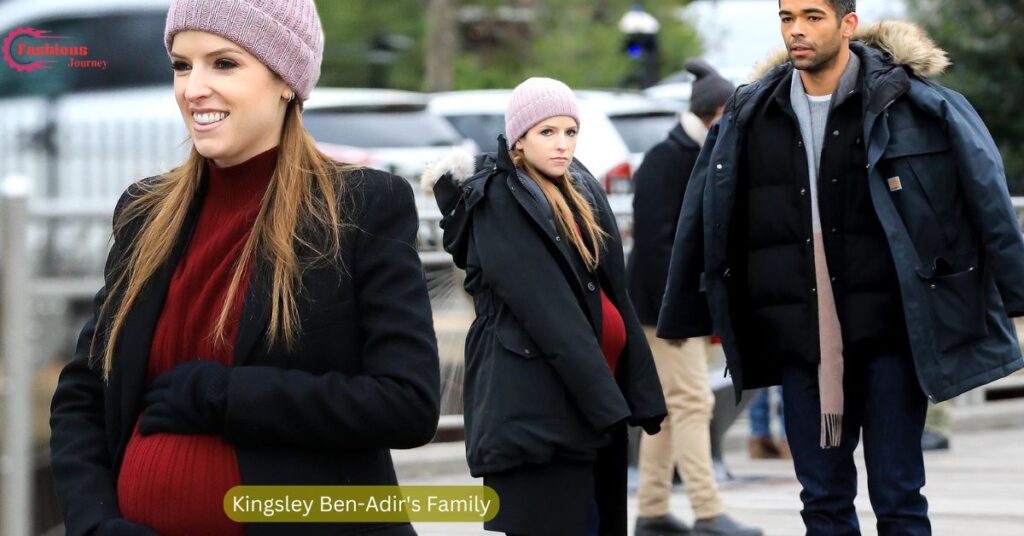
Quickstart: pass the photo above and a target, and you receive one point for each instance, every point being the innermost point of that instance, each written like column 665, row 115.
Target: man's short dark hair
column 842, row 7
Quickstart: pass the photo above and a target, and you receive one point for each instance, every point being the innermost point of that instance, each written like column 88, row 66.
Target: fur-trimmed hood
column 458, row 162
column 907, row 43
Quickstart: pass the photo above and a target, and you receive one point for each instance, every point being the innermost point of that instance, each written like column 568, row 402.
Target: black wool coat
column 537, row 384
column 363, row 379
column 658, row 187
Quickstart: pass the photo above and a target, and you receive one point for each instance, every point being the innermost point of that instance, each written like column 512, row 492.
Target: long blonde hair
column 564, row 201
column 298, row 210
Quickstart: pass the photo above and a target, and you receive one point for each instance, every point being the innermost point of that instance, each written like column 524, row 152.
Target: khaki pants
column 939, row 419
column 685, row 437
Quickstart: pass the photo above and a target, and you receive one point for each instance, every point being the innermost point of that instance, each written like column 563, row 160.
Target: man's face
column 813, row 34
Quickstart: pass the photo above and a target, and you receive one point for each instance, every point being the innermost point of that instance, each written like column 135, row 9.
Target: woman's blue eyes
column 547, row 132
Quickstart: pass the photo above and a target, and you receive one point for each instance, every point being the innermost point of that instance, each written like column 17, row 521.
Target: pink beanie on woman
column 286, row 35
column 535, row 100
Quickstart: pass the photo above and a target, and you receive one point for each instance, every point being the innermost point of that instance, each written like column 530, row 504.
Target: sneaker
column 666, row 525
column 933, row 441
column 723, row 525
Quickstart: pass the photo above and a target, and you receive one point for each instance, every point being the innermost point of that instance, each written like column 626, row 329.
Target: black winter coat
column 364, row 379
column 952, row 233
column 658, row 187
column 537, row 385
column 770, row 241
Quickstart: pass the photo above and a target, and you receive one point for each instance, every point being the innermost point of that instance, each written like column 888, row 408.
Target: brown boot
column 783, row 447
column 762, row 448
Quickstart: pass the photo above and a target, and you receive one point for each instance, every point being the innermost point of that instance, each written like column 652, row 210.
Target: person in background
column 938, row 425
column 761, row 444
column 684, row 442
column 264, row 319
column 848, row 233
column 556, row 360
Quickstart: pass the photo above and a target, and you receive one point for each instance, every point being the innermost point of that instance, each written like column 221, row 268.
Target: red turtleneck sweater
column 176, row 483
column 613, row 328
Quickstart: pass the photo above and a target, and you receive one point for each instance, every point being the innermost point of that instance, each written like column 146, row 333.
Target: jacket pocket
column 957, row 301
column 530, row 387
column 923, row 160
column 515, row 340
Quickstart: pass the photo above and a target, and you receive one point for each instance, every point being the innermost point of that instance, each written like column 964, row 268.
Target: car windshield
column 380, row 128
column 642, row 132
column 481, row 128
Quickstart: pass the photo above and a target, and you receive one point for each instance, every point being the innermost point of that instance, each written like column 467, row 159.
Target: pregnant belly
column 175, row 484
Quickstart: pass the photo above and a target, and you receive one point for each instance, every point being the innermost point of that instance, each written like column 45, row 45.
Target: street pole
column 16, row 462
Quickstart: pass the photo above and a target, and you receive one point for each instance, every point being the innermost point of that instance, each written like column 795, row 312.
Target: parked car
column 641, row 121
column 616, row 128
column 385, row 129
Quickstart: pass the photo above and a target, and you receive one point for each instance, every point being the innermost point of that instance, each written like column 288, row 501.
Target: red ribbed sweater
column 176, row 483
column 613, row 328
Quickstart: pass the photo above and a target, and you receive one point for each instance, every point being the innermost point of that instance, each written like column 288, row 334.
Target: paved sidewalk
column 975, row 489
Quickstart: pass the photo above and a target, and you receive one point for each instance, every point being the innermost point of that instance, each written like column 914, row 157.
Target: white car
column 385, row 129
column 615, row 128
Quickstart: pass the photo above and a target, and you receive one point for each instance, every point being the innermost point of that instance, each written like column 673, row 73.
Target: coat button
column 527, row 351
column 932, row 286
column 835, row 132
column 558, row 238
column 591, row 287
column 867, row 166
column 803, row 191
column 719, row 167
column 834, row 278
column 835, row 181
column 799, row 143
column 808, row 240
column 834, row 230
column 814, row 291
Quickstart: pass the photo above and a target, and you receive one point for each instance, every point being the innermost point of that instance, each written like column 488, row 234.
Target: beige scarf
column 830, row 338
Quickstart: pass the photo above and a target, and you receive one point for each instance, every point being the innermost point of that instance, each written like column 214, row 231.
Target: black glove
column 191, row 398
column 119, row 526
column 651, row 425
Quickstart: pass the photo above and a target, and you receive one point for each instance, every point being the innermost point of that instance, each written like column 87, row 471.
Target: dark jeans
column 884, row 402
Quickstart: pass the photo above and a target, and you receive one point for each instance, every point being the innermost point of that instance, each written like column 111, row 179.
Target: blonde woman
column 556, row 361
column 264, row 319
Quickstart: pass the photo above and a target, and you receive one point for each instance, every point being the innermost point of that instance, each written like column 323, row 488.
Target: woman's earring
column 291, row 97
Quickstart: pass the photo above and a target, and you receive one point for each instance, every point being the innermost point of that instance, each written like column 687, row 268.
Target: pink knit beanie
column 535, row 100
column 285, row 35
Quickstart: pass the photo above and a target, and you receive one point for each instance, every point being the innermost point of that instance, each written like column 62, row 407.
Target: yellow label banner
column 360, row 504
